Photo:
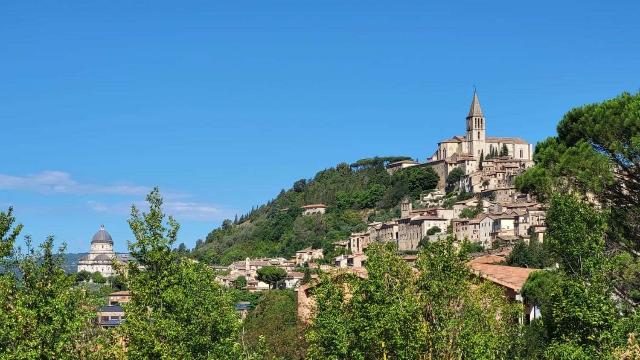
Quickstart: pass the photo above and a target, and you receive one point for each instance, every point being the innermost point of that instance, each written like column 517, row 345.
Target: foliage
column 532, row 255
column 440, row 313
column 434, row 230
column 42, row 316
column 580, row 317
column 272, row 275
column 454, row 177
column 97, row 278
column 275, row 320
column 177, row 310
column 469, row 213
column 240, row 282
column 504, row 151
column 383, row 303
column 83, row 276
column 350, row 192
column 465, row 319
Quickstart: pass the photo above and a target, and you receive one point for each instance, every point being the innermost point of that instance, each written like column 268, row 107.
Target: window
column 521, row 153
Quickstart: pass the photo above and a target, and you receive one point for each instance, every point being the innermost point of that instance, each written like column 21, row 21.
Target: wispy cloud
column 62, row 182
column 195, row 211
column 177, row 203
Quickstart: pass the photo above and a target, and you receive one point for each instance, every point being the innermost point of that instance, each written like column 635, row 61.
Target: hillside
column 354, row 193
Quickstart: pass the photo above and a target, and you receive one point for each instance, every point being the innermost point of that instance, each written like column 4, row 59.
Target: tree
column 434, row 230
column 83, row 276
column 454, row 177
column 97, row 278
column 177, row 310
column 469, row 213
column 504, row 151
column 299, row 185
column 42, row 315
column 307, row 276
column 532, row 255
column 240, row 282
column 272, row 275
column 275, row 319
column 384, row 303
column 465, row 318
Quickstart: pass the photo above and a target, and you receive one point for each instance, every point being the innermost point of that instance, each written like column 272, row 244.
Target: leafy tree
column 272, row 275
column 383, row 303
column 532, row 255
column 42, row 316
column 504, row 151
column 434, row 230
column 83, row 276
column 240, row 282
column 299, row 185
column 97, row 278
column 177, row 310
column 411, row 181
column 454, row 177
column 275, row 320
column 466, row 319
column 469, row 213
column 307, row 276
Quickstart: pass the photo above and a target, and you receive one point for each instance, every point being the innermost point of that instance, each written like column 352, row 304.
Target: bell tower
column 475, row 127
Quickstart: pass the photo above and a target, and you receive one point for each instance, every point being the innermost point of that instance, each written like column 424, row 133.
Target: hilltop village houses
column 492, row 214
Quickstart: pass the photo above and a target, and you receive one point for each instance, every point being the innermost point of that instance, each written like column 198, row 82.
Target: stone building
column 314, row 209
column 101, row 257
column 466, row 151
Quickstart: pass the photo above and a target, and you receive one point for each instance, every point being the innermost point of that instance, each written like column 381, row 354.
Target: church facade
column 466, row 151
column 101, row 257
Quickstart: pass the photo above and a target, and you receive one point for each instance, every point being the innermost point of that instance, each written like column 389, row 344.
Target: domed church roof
column 102, row 236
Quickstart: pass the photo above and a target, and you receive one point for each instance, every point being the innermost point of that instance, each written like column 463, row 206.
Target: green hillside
column 354, row 193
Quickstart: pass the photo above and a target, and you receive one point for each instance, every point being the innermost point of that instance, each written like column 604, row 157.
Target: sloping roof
column 515, row 140
column 475, row 110
column 508, row 276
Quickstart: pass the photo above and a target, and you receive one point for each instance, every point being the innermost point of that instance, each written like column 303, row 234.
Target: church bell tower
column 475, row 127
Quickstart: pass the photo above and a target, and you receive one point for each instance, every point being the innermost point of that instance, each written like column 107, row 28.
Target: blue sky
column 222, row 104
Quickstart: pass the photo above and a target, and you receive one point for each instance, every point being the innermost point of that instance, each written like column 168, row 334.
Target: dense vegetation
column 590, row 175
column 588, row 295
column 440, row 312
column 354, row 194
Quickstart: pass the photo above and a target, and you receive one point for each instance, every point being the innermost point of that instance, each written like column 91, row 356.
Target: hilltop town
column 475, row 201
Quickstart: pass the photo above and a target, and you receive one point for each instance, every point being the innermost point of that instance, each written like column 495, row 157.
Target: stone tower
column 475, row 127
column 405, row 207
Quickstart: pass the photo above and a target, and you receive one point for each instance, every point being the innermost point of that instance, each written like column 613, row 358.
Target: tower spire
column 475, row 110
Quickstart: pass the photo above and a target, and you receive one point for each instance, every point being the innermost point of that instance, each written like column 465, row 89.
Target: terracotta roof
column 508, row 276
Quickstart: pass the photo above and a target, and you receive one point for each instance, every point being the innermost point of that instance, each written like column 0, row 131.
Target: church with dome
column 101, row 257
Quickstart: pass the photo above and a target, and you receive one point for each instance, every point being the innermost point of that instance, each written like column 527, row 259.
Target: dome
column 102, row 236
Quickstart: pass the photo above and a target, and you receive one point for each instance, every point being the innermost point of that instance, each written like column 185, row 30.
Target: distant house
column 354, row 261
column 113, row 314
column 314, row 209
column 293, row 279
column 308, row 255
